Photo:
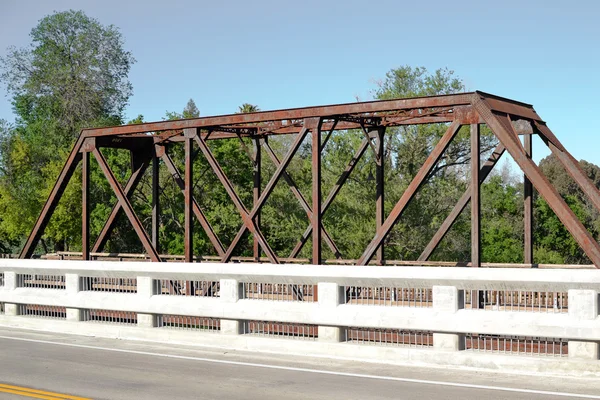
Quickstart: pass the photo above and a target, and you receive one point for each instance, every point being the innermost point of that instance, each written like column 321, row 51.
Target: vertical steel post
column 85, row 204
column 379, row 178
column 528, row 207
column 256, row 193
column 475, row 199
column 315, row 126
column 188, row 198
column 155, row 202
column 477, row 297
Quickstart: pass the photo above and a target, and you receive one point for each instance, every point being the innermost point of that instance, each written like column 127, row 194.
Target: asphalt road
column 85, row 367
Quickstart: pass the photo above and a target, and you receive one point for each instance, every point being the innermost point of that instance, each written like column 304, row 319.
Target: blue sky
column 281, row 54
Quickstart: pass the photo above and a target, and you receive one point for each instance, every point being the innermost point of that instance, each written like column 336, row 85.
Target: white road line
column 314, row 371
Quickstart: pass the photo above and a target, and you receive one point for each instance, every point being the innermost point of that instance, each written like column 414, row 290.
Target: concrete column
column 72, row 287
column 330, row 295
column 448, row 299
column 231, row 292
column 583, row 305
column 10, row 280
column 145, row 290
column 10, row 283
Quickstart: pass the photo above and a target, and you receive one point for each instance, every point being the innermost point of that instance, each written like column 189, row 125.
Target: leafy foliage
column 73, row 75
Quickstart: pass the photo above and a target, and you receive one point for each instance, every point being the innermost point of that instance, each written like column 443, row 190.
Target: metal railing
column 42, row 311
column 110, row 316
column 187, row 288
column 279, row 292
column 112, row 285
column 517, row 300
column 388, row 296
column 389, row 337
column 41, row 281
column 189, row 323
column 517, row 345
column 281, row 330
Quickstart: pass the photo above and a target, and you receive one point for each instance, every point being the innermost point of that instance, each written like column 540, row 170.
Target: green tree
column 248, row 108
column 190, row 110
column 73, row 75
column 552, row 239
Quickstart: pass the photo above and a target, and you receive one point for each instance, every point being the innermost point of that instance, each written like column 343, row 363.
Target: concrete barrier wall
column 440, row 328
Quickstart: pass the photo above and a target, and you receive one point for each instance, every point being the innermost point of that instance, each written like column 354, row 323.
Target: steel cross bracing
column 149, row 143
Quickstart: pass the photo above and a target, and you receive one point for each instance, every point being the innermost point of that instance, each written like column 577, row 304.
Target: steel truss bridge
column 149, row 143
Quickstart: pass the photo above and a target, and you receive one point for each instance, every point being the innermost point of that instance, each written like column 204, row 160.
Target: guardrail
column 493, row 318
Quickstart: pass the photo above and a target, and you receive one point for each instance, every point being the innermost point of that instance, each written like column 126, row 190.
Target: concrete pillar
column 10, row 283
column 72, row 287
column 231, row 292
column 10, row 280
column 583, row 305
column 448, row 299
column 330, row 295
column 145, row 290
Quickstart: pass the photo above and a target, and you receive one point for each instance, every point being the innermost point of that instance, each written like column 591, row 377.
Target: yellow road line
column 26, row 394
column 36, row 394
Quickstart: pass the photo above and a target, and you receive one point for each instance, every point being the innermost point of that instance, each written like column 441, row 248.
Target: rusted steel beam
column 314, row 124
column 188, row 235
column 220, row 132
column 140, row 166
column 50, row 205
column 515, row 108
column 570, row 164
column 85, row 206
column 247, row 218
column 256, row 192
column 461, row 204
column 327, row 111
column 501, row 126
column 330, row 127
column 126, row 205
column 268, row 189
column 527, row 208
column 208, row 229
column 475, row 199
column 379, row 189
column 332, row 194
column 155, row 202
column 409, row 193
column 301, row 199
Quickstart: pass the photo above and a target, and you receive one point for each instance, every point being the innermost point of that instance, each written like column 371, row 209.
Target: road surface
column 52, row 366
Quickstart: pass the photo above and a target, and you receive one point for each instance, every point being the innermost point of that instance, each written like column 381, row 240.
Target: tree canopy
column 73, row 75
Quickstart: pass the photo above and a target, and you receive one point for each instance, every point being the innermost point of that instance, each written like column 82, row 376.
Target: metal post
column 528, row 208
column 379, row 178
column 475, row 199
column 477, row 295
column 315, row 127
column 256, row 193
column 188, row 220
column 85, row 207
column 155, row 202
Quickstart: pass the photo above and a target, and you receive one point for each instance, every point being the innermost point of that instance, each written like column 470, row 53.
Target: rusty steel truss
column 148, row 142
